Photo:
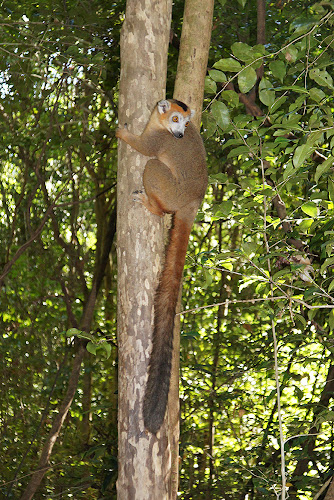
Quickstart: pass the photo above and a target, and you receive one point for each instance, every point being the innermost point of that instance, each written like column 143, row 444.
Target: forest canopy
column 257, row 372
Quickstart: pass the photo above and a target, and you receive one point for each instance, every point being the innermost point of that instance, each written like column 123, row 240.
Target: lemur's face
column 174, row 116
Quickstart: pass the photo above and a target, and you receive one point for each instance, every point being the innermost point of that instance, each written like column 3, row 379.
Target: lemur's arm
column 141, row 143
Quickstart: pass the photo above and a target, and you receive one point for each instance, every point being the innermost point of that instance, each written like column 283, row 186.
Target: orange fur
column 157, row 389
column 175, row 180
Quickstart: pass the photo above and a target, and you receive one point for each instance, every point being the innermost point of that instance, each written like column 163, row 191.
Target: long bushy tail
column 157, row 388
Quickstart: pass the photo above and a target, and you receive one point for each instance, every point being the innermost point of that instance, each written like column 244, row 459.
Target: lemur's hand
column 121, row 132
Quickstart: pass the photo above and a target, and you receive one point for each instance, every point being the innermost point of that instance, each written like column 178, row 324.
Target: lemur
column 175, row 181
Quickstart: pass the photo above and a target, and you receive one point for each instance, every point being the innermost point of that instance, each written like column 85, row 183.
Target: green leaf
column 324, row 167
column 209, row 124
column 210, row 87
column 327, row 263
column 219, row 177
column 247, row 79
column 221, row 114
column 278, row 103
column 300, row 318
column 238, row 151
column 310, row 208
column 326, row 415
column 231, row 142
column 331, row 321
column 322, row 77
column 71, row 332
column 107, row 348
column 249, row 247
column 80, row 334
column 231, row 97
column 266, row 95
column 225, row 207
column 301, row 154
column 242, row 3
column 331, row 286
column 207, row 278
column 295, row 88
column 243, row 51
column 291, row 54
column 92, row 348
column 316, row 94
column 331, row 189
column 228, row 64
column 217, row 76
column 278, row 69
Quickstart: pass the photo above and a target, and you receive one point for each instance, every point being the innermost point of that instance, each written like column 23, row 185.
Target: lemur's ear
column 192, row 113
column 163, row 106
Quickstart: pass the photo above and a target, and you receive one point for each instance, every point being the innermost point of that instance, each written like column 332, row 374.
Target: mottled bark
column 330, row 492
column 189, row 88
column 145, row 460
column 193, row 56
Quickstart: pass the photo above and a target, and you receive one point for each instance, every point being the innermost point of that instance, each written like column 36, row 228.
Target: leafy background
column 259, row 282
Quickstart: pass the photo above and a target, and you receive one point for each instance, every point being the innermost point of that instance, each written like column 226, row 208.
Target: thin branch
column 32, row 238
column 252, row 301
column 41, row 422
column 273, row 329
column 322, row 21
column 56, row 427
column 302, row 464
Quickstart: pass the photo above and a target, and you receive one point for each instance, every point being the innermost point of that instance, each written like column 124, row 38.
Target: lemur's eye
column 175, row 119
column 186, row 124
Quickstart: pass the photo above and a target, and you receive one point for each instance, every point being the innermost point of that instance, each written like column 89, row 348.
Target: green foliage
column 94, row 343
column 260, row 258
column 59, row 75
column 269, row 265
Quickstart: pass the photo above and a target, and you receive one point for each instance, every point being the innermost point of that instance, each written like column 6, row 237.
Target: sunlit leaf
column 310, row 208
column 322, row 77
column 247, row 79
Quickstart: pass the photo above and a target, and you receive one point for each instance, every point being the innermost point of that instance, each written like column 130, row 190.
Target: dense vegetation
column 258, row 288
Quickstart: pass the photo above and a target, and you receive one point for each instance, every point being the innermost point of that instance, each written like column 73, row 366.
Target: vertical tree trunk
column 73, row 381
column 189, row 88
column 86, row 401
column 145, row 461
column 38, row 475
column 330, row 492
column 194, row 52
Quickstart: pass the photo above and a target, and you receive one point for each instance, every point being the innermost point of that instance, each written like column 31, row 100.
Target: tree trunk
column 148, row 465
column 72, row 386
column 145, row 461
column 308, row 450
column 37, row 476
column 189, row 88
column 86, row 401
column 193, row 57
column 330, row 492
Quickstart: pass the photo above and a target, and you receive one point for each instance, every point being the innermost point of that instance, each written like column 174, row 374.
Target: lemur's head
column 174, row 116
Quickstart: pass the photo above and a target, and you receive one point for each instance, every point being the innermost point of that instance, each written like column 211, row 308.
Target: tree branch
column 32, row 238
column 302, row 464
column 57, row 425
